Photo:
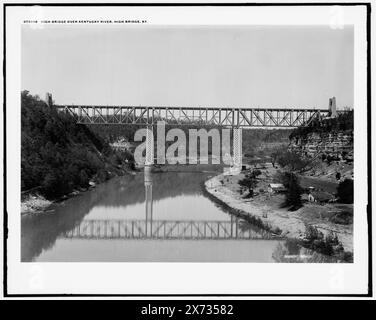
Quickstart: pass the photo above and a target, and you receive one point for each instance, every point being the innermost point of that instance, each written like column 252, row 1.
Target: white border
column 189, row 278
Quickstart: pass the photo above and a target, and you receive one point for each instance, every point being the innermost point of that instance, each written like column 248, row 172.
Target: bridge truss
column 233, row 117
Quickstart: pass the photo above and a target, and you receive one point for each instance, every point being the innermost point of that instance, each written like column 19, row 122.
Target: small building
column 276, row 188
column 320, row 196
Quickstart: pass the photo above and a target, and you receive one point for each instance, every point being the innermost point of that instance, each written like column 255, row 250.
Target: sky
column 232, row 66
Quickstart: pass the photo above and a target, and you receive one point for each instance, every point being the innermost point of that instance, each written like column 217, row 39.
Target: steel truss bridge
column 232, row 117
column 165, row 229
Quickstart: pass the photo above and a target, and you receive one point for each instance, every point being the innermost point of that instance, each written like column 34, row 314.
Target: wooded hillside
column 58, row 155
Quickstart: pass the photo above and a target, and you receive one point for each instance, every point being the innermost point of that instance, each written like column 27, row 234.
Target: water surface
column 150, row 217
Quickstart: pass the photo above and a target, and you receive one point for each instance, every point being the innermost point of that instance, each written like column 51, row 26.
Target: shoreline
column 274, row 233
column 291, row 224
column 35, row 203
column 232, row 201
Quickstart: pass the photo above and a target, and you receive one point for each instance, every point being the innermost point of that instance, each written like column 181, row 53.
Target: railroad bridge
column 230, row 117
column 235, row 118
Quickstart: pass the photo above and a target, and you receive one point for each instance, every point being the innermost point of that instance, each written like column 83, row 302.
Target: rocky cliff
column 337, row 146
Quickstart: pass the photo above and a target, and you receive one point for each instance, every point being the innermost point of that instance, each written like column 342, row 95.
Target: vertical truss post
column 149, row 159
column 237, row 150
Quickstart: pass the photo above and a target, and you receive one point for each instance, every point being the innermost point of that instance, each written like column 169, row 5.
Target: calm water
column 151, row 217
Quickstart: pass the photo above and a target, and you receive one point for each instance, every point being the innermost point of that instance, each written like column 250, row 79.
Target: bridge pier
column 237, row 151
column 149, row 159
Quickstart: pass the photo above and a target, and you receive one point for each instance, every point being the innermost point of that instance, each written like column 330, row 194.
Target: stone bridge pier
column 237, row 150
column 149, row 159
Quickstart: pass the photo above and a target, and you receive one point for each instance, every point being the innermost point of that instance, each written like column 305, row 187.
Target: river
column 147, row 217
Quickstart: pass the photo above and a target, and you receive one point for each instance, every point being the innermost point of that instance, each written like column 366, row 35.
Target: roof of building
column 276, row 185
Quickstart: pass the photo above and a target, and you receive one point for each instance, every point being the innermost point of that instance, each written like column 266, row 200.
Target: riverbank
column 34, row 202
column 267, row 208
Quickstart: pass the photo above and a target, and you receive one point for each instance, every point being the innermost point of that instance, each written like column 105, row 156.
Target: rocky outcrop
column 334, row 145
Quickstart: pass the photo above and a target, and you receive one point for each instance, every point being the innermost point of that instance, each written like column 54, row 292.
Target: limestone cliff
column 336, row 145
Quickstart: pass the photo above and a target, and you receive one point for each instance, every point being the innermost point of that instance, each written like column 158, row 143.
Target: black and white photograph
column 220, row 139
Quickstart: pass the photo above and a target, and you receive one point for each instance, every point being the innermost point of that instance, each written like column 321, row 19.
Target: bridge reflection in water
column 163, row 229
column 149, row 228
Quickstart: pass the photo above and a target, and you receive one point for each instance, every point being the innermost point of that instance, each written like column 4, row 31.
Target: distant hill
column 263, row 142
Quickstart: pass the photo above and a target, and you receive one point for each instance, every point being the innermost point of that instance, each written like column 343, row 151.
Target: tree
column 53, row 185
column 275, row 155
column 84, row 178
column 250, row 182
column 291, row 159
column 343, row 122
column 345, row 191
column 294, row 192
column 255, row 173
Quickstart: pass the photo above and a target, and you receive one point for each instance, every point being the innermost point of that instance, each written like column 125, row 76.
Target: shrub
column 249, row 181
column 344, row 217
column 255, row 173
column 277, row 230
column 328, row 245
column 312, row 233
column 292, row 245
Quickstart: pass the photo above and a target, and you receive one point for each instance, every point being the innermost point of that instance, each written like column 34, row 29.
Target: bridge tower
column 332, row 107
column 49, row 100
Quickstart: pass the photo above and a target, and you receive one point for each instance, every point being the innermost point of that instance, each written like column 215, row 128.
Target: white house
column 276, row 187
